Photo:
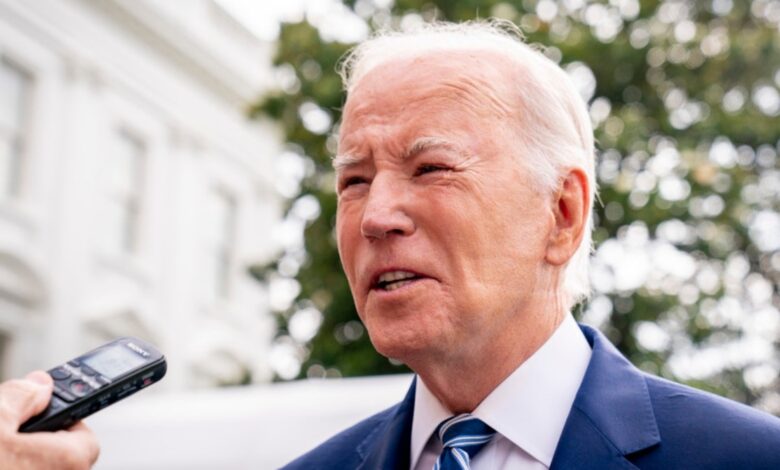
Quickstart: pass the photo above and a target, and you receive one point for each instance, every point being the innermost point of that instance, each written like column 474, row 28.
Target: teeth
column 395, row 276
column 396, row 285
column 394, row 279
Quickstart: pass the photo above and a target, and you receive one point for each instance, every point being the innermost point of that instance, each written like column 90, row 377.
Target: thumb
column 40, row 377
column 22, row 399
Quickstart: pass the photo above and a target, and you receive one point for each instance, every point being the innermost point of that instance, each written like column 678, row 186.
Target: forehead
column 431, row 88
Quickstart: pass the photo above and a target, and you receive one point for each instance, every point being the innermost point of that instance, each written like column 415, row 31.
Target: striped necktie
column 462, row 436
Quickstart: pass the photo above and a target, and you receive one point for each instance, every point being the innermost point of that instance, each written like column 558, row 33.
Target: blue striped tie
column 463, row 436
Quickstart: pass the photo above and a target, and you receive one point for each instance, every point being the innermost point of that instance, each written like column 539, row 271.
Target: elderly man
column 465, row 184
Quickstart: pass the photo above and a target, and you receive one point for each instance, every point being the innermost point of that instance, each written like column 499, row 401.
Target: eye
column 351, row 181
column 429, row 168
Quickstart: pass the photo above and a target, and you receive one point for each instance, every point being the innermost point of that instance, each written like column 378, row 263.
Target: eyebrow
column 342, row 161
column 420, row 145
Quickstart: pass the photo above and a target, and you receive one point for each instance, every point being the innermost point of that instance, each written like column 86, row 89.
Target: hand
column 21, row 399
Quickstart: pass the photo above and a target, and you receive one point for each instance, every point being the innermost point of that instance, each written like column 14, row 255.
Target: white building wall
column 258, row 427
column 178, row 77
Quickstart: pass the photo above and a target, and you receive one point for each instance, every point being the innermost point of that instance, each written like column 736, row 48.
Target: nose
column 384, row 213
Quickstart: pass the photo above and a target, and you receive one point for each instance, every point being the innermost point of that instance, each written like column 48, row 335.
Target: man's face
column 441, row 232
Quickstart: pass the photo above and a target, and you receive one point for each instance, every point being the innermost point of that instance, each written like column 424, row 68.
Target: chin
column 402, row 346
column 407, row 331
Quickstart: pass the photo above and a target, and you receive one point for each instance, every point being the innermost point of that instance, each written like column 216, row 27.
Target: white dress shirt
column 528, row 409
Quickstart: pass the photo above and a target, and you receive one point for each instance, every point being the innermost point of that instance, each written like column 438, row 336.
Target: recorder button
column 79, row 388
column 62, row 393
column 56, row 403
column 87, row 371
column 101, row 380
column 59, row 373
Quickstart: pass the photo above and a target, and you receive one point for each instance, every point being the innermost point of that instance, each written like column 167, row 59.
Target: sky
column 331, row 17
column 262, row 18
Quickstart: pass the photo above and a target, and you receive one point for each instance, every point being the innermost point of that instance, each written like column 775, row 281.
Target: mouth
column 392, row 280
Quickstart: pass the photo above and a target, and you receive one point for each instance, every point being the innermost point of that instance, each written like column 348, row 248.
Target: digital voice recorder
column 96, row 380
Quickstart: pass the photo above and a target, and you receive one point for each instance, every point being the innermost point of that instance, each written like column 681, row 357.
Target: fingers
column 83, row 435
column 74, row 449
column 21, row 399
column 40, row 377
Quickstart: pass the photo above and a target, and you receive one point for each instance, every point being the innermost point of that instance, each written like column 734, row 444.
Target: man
column 465, row 185
column 465, row 182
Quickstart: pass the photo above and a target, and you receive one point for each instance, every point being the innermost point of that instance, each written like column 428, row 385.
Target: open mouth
column 393, row 280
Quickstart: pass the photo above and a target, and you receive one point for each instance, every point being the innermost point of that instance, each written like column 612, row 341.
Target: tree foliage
column 685, row 104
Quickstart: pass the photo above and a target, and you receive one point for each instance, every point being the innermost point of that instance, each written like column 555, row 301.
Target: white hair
column 555, row 127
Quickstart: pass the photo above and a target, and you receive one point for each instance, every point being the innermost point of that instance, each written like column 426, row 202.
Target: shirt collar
column 530, row 406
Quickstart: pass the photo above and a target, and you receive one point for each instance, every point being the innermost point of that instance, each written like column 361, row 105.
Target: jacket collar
column 387, row 447
column 612, row 415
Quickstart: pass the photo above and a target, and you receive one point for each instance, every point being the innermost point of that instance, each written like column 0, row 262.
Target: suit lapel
column 387, row 447
column 612, row 415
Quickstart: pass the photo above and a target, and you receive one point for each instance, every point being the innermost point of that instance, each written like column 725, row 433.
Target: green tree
column 685, row 104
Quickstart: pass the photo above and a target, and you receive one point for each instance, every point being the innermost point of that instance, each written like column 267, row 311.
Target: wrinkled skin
column 429, row 182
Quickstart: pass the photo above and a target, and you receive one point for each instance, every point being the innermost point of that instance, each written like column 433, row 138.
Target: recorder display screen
column 114, row 361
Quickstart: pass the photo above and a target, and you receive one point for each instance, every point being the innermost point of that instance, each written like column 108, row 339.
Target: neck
column 461, row 383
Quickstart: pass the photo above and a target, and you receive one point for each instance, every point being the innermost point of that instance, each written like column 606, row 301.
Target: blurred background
column 164, row 173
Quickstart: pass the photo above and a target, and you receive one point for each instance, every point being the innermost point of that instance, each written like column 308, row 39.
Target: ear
column 570, row 208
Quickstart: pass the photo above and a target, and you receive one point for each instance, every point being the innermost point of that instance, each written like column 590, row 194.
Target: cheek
column 496, row 241
column 346, row 231
column 351, row 246
column 525, row 236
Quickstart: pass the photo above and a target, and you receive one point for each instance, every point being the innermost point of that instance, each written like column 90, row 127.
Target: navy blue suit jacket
column 621, row 418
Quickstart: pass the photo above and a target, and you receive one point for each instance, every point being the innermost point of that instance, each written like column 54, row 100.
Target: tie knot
column 465, row 432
